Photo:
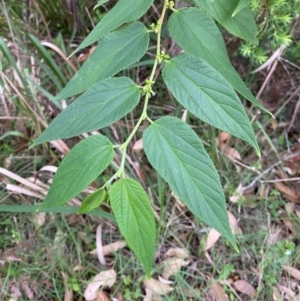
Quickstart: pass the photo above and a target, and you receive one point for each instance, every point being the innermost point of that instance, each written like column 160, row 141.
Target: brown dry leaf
column 237, row 195
column 228, row 151
column 74, row 219
column 101, row 296
column 150, row 296
column 212, row 237
column 210, row 261
column 111, row 248
column 138, row 145
column 12, row 258
column 292, row 271
column 105, row 278
column 68, row 291
column 224, row 137
column 172, row 266
column 84, row 56
column 184, row 116
column 166, row 281
column 233, row 224
column 39, row 219
column 28, row 292
column 178, row 252
column 216, row 291
column 288, row 192
column 287, row 291
column 15, row 292
column 157, row 287
column 244, row 287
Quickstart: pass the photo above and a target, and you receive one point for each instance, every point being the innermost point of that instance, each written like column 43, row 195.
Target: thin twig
column 267, row 79
column 260, row 176
column 297, row 107
column 281, row 180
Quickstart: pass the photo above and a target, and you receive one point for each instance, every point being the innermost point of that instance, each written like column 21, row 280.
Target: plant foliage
column 187, row 168
column 134, row 215
column 202, row 80
column 275, row 28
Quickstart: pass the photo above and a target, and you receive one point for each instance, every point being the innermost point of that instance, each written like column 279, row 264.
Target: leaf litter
column 103, row 279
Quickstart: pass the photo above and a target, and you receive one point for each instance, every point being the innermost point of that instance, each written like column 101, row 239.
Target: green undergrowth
column 38, row 255
column 277, row 25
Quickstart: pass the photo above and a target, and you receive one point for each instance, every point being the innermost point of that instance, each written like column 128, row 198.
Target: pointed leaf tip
column 135, row 218
column 187, row 168
column 116, row 16
column 242, row 4
column 101, row 105
column 241, row 25
column 197, row 34
column 206, row 93
column 115, row 52
column 93, row 201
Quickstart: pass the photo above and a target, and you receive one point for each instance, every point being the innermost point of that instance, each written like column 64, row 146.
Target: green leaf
column 94, row 200
column 134, row 216
column 100, row 2
column 241, row 25
column 124, row 11
column 242, row 4
column 101, row 105
column 207, row 94
column 178, row 155
column 196, row 33
column 81, row 166
column 1, row 67
column 115, row 52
